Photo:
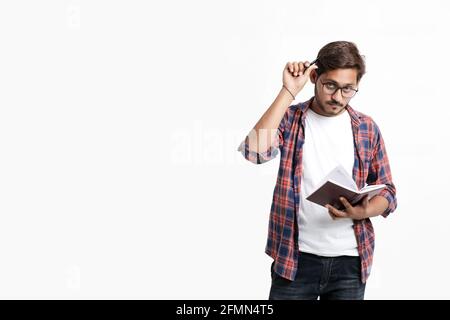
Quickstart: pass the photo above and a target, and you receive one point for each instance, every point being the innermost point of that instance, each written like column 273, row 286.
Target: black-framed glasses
column 331, row 88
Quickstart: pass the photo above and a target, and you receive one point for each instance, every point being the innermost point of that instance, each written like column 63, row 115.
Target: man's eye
column 347, row 90
column 330, row 86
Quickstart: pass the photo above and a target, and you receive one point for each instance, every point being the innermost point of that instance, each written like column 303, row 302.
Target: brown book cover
column 330, row 191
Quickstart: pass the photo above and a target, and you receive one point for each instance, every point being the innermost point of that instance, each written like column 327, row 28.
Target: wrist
column 289, row 91
column 371, row 210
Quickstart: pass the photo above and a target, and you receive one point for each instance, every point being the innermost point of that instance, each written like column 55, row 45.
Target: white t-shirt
column 328, row 143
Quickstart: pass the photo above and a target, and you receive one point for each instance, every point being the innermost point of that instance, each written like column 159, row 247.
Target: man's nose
column 337, row 96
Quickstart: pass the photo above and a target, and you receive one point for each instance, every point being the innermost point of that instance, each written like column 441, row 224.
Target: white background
column 119, row 123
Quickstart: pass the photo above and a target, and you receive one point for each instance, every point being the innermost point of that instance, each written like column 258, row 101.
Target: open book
column 338, row 183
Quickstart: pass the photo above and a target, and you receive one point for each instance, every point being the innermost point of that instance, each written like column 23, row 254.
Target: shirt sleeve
column 271, row 152
column 380, row 173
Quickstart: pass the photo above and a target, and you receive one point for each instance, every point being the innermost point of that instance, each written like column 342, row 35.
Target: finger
column 346, row 204
column 311, row 68
column 333, row 216
column 296, row 68
column 336, row 212
column 301, row 67
column 290, row 67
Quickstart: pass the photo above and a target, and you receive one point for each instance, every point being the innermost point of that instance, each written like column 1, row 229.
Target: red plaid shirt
column 371, row 166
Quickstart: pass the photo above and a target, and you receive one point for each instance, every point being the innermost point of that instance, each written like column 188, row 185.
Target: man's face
column 331, row 104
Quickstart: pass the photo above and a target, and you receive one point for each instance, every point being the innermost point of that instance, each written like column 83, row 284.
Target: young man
column 321, row 252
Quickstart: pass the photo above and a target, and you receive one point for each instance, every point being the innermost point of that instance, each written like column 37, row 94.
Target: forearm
column 263, row 133
column 377, row 205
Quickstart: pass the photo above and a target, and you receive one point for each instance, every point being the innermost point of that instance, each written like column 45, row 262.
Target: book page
column 373, row 186
column 340, row 175
column 371, row 191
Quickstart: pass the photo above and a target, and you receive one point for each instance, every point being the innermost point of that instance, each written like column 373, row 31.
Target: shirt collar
column 355, row 117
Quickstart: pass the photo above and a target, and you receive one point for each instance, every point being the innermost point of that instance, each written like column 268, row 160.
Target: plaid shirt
column 371, row 166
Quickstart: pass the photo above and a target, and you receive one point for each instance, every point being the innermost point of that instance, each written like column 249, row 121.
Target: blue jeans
column 330, row 278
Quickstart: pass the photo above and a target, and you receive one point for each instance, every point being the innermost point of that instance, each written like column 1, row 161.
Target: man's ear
column 313, row 76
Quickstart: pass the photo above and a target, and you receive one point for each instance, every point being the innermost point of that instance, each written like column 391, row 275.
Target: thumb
column 365, row 200
column 310, row 68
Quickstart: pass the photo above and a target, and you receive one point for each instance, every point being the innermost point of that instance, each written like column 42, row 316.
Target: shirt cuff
column 258, row 157
column 391, row 200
